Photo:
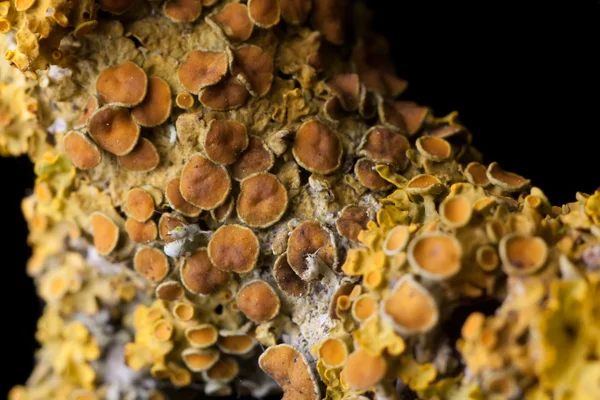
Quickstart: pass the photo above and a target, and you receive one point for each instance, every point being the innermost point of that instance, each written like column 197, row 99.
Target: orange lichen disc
column 143, row 158
column 183, row 11
column 289, row 368
column 363, row 370
column 344, row 290
column 225, row 140
column 262, row 200
column 202, row 336
column 258, row 301
column 184, row 100
column 254, row 67
column 151, row 263
column 201, row 69
column 177, row 202
column 228, row 94
column 234, row 248
column 84, row 28
column 124, row 84
column 396, row 240
column 200, row 276
column 434, row 148
column 505, row 180
column 200, row 360
column 456, row 211
column 316, row 148
column 487, row 258
column 329, row 17
column 23, row 5
column 163, row 330
column 203, row 183
column 225, row 370
column 364, row 306
column 351, row 221
column 435, row 255
column 522, row 254
column 183, row 311
column 256, row 158
column 383, row 145
column 476, row 174
column 90, row 107
column 139, row 204
column 232, row 22
column 221, row 213
column 310, row 245
column 367, row 175
column 264, row 13
column 167, row 223
column 113, row 129
column 287, row 280
column 346, row 87
column 169, row 291
column 236, row 344
column 404, row 116
column 141, row 232
column 156, row 107
column 105, row 233
column 424, row 184
column 333, row 353
column 115, row 6
column 295, row 12
column 81, row 151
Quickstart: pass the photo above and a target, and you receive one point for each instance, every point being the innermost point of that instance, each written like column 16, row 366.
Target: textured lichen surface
column 236, row 197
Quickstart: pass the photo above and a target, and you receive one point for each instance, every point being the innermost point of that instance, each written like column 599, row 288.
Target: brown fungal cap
column 508, row 181
column 424, row 184
column 256, row 158
column 476, row 174
column 169, row 291
column 346, row 87
column 410, row 307
column 333, row 353
column 113, row 129
column 264, row 13
column 177, row 202
column 234, row 248
column 295, row 12
column 226, row 95
column 202, row 69
column 396, row 240
column 262, row 200
column 140, row 204
column 81, row 151
column 435, row 255
column 287, row 280
column 225, row 370
column 367, row 175
column 151, row 263
column 183, row 11
column 200, row 276
column 252, row 66
column 383, row 145
column 456, row 211
column 316, row 148
column 310, row 245
column 344, row 290
column 141, row 232
column 232, row 22
column 351, row 221
column 404, row 116
column 203, row 183
column 105, row 233
column 522, row 254
column 363, row 370
column 202, row 336
column 289, row 368
column 184, row 100
column 90, row 107
column 225, row 140
column 236, row 344
column 125, row 84
column 115, row 6
column 329, row 17
column 434, row 148
column 221, row 213
column 143, row 158
column 156, row 107
column 167, row 223
column 258, row 301
column 200, row 360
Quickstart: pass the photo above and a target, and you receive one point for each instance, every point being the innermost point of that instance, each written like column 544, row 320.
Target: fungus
column 225, row 370
column 183, row 311
column 200, row 360
column 363, row 370
column 124, row 85
column 522, row 254
column 81, row 151
column 290, row 369
column 396, row 240
column 184, row 100
column 456, row 211
column 309, row 247
column 295, row 12
column 253, row 67
column 105, row 233
column 232, row 22
column 177, row 202
column 116, row 7
column 163, row 330
column 156, row 106
column 351, row 221
column 404, row 116
column 367, row 175
column 505, row 180
column 199, row 275
column 287, row 280
column 262, row 200
column 333, row 353
column 346, row 88
column 169, row 291
column 434, row 148
column 202, row 69
column 203, row 183
column 167, row 223
column 143, row 158
column 202, row 336
column 476, row 173
column 234, row 248
column 424, row 184
column 183, row 11
column 151, row 263
column 487, row 258
column 228, row 94
column 264, row 13
column 141, row 232
column 113, row 129
column 382, row 145
column 435, row 255
column 256, row 158
column 410, row 308
column 316, row 148
column 329, row 17
column 221, row 213
column 139, row 204
column 224, row 141
column 363, row 307
column 258, row 301
column 236, row 344
column 90, row 107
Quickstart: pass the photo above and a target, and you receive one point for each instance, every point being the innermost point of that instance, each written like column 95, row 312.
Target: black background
column 523, row 75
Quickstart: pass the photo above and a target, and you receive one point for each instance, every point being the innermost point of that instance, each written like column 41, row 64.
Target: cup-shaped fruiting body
column 316, row 148
column 234, row 248
column 167, row 223
column 124, row 84
column 225, row 370
column 169, row 291
column 522, row 254
column 229, row 94
column 435, row 255
column 382, row 145
column 456, row 211
column 363, row 370
column 253, row 67
column 90, row 107
column 163, row 330
column 177, row 202
column 143, row 158
column 151, row 263
column 203, row 183
column 484, row 204
column 487, row 258
column 410, row 308
column 289, row 368
column 237, row 344
column 256, row 158
column 262, row 200
column 198, row 360
column 82, row 152
column 494, row 230
column 424, row 184
column 156, row 106
column 406, row 117
column 264, row 13
column 343, row 290
column 287, row 280
column 139, row 204
column 363, row 307
column 179, row 376
column 105, row 233
column 201, row 69
column 351, row 221
column 330, row 17
column 202, row 336
column 295, row 12
column 476, row 173
column 309, row 246
column 199, row 275
column 116, row 7
column 221, row 213
column 505, row 180
column 232, row 23
column 396, row 240
column 366, row 173
column 224, row 141
column 183, row 11
column 141, row 232
column 346, row 88
column 183, row 311
column 333, row 353
column 184, row 100
column 434, row 148
column 258, row 301
column 113, row 129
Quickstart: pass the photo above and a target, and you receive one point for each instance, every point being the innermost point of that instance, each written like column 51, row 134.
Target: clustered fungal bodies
column 235, row 196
